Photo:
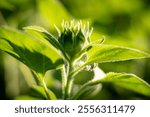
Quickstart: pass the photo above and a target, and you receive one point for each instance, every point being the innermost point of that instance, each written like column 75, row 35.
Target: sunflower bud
column 74, row 37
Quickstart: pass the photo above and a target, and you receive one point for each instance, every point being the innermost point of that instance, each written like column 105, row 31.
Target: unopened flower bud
column 74, row 37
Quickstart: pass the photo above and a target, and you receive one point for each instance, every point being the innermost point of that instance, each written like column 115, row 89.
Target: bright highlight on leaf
column 71, row 48
column 47, row 37
column 127, row 81
column 37, row 55
column 110, row 53
column 44, row 33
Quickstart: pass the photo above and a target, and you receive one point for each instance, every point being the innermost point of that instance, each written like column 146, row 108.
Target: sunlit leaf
column 110, row 53
column 44, row 33
column 46, row 36
column 39, row 92
column 127, row 81
column 36, row 54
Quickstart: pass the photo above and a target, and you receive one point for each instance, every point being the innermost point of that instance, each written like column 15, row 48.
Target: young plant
column 71, row 51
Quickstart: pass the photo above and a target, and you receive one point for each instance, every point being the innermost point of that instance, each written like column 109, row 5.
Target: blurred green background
column 122, row 22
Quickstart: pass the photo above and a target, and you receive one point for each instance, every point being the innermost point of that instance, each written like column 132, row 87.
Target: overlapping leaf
column 110, row 53
column 39, row 92
column 46, row 36
column 39, row 55
column 37, row 31
column 127, row 81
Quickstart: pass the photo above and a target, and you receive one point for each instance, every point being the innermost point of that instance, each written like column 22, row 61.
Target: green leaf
column 46, row 36
column 127, row 81
column 110, row 53
column 38, row 55
column 35, row 30
column 39, row 92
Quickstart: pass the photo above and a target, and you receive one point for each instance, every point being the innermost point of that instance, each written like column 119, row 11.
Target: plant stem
column 40, row 82
column 64, row 80
column 69, row 80
column 45, row 89
column 68, row 88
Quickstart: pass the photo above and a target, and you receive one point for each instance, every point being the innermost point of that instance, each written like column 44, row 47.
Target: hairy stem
column 70, row 73
column 40, row 82
column 64, row 80
column 68, row 88
column 69, row 80
column 45, row 89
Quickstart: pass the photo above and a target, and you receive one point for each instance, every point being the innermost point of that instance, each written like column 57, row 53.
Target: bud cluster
column 74, row 36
